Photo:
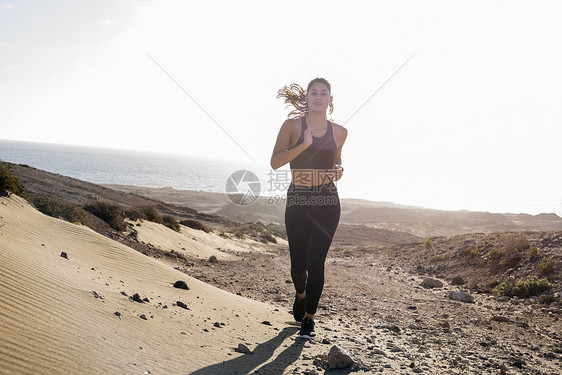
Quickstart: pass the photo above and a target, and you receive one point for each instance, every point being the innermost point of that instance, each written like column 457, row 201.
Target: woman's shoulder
column 339, row 130
column 293, row 123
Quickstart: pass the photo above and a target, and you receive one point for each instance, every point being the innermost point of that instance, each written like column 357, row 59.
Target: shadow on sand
column 245, row 364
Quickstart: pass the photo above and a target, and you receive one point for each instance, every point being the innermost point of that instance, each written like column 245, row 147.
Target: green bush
column 9, row 183
column 523, row 288
column 195, row 225
column 171, row 222
column 494, row 256
column 56, row 208
column 533, row 252
column 109, row 212
column 545, row 267
column 428, row 243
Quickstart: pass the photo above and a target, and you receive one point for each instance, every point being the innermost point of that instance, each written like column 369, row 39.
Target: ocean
column 123, row 167
column 111, row 166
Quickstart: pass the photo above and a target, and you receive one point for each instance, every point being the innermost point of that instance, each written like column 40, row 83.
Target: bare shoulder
column 340, row 133
column 291, row 124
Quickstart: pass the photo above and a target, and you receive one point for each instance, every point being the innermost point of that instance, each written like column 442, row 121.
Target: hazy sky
column 473, row 121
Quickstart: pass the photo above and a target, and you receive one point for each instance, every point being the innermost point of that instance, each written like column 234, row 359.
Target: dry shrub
column 9, row 183
column 472, row 252
column 548, row 299
column 109, row 212
column 64, row 210
column 513, row 248
column 171, row 222
column 267, row 237
column 257, row 231
column 134, row 214
column 151, row 213
column 515, row 242
column 194, row 224
column 437, row 258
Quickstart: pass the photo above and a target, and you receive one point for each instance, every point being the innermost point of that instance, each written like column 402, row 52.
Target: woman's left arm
column 340, row 137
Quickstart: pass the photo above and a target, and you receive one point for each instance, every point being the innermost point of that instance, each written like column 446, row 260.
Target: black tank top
column 320, row 154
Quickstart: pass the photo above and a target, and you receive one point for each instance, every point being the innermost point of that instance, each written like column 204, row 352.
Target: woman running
column 312, row 145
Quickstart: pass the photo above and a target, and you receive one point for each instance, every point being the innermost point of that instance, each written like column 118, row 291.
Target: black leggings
column 311, row 218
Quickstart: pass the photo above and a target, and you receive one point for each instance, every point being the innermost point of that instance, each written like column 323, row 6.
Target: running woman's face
column 318, row 97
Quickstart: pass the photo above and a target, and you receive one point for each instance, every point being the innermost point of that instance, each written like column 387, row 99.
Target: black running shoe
column 299, row 307
column 307, row 329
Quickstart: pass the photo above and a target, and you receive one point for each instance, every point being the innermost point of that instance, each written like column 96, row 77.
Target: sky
column 472, row 121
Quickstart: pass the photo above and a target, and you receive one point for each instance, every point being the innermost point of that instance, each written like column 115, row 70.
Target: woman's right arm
column 282, row 154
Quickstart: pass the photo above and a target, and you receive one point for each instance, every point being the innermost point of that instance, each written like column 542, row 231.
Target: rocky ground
column 390, row 305
column 376, row 306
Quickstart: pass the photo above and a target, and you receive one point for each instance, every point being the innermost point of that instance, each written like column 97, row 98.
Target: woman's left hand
column 336, row 173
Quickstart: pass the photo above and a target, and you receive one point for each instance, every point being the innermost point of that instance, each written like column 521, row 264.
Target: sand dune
column 191, row 242
column 51, row 322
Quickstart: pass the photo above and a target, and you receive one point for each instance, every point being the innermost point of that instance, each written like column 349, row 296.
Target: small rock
column 266, row 322
column 391, row 327
column 340, row 358
column 136, row 298
column 182, row 305
column 326, row 342
column 64, row 255
column 213, row 259
column 217, row 324
column 125, row 294
column 518, row 363
column 118, row 314
column 499, row 318
column 180, row 284
column 142, row 316
column 431, row 283
column 457, row 280
column 97, row 295
column 459, row 295
column 244, row 349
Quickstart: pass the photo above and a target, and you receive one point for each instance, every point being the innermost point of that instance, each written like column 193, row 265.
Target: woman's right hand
column 307, row 137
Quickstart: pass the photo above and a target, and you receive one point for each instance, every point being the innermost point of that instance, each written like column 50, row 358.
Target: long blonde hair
column 294, row 95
